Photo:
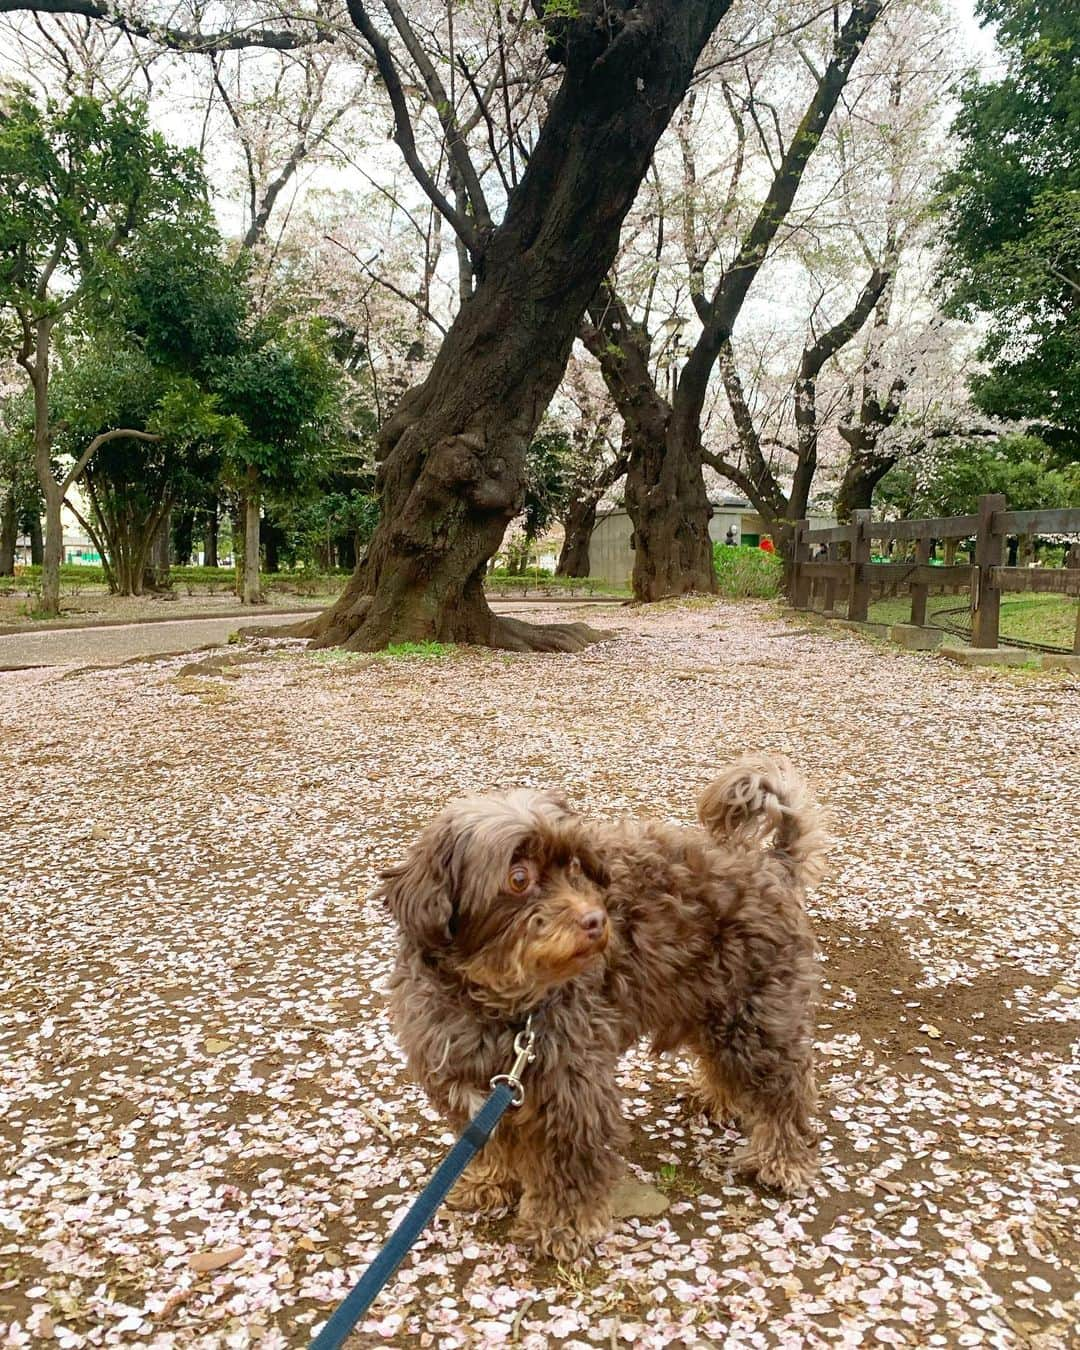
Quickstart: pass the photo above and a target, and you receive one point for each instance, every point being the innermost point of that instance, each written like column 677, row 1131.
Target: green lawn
column 1031, row 618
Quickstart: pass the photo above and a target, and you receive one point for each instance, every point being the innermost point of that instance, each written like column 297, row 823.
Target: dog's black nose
column 594, row 922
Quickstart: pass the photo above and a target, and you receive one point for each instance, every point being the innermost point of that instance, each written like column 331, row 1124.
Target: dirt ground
column 196, row 1069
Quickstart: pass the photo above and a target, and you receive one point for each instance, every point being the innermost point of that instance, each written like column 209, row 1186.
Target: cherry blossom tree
column 661, row 386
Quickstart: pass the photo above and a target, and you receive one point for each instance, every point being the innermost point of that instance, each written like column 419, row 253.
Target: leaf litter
column 206, row 1128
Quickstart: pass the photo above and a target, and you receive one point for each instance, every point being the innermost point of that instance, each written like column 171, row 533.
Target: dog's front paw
column 485, row 1195
column 790, row 1171
column 487, row 1187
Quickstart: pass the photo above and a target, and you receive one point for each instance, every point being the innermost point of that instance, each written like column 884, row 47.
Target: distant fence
column 856, row 575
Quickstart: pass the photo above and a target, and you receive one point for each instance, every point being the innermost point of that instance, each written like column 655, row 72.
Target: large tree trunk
column 670, row 511
column 156, row 569
column 210, row 538
column 183, row 536
column 9, row 528
column 54, row 549
column 37, row 539
column 251, row 593
column 50, row 488
column 861, row 477
column 578, row 527
column 346, row 550
column 273, row 536
column 452, row 455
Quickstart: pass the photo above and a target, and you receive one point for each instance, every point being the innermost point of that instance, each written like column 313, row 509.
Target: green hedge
column 526, row 574
column 743, row 572
column 212, row 579
column 545, row 584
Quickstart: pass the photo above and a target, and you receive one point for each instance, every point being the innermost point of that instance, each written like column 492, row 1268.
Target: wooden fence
column 855, row 575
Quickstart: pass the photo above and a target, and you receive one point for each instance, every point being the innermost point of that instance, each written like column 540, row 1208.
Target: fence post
column 1072, row 559
column 830, row 586
column 985, row 596
column 800, row 588
column 919, row 589
column 859, row 590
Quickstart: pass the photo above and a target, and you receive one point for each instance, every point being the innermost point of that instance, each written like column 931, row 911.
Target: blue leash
column 506, row 1091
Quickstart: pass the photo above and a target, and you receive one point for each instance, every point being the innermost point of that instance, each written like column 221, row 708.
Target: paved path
column 112, row 644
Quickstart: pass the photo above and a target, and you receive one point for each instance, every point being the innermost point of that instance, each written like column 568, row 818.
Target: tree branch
column 758, row 476
column 726, row 469
column 403, row 132
column 178, row 39
column 459, row 150
column 95, row 445
column 817, row 353
column 418, row 305
column 96, row 539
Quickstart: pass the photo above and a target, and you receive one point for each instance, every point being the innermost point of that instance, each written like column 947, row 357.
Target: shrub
column 743, row 573
column 526, row 573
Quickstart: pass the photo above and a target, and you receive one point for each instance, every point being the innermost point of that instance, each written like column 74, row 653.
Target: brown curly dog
column 696, row 938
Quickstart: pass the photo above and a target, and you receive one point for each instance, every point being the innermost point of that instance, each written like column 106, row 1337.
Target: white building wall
column 611, row 558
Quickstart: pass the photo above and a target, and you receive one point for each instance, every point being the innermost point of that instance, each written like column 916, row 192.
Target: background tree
column 1011, row 228
column 659, row 382
column 283, row 393
column 177, row 305
column 950, row 479
column 131, row 482
column 18, row 486
column 77, row 183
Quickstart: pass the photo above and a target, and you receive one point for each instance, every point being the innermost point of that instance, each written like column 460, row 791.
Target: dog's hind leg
column 759, row 1068
column 708, row 1092
column 781, row 1152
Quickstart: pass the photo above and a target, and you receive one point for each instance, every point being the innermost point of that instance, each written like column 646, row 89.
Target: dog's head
column 505, row 890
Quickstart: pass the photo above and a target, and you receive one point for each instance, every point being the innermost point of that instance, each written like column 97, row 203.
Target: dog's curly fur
column 696, row 938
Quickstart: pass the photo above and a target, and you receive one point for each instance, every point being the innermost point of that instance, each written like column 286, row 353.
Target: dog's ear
column 419, row 892
column 557, row 798
column 589, row 855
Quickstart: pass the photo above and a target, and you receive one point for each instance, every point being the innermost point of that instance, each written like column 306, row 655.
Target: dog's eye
column 519, row 880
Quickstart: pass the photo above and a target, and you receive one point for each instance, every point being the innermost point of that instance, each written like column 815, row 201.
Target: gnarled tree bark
column 452, row 455
column 665, row 490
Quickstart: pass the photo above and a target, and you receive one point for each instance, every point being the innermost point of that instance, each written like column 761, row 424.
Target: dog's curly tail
column 762, row 800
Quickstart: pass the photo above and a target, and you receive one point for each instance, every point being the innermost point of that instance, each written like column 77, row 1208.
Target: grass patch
column 672, row 1180
column 423, row 651
column 334, row 656
column 747, row 573
column 1029, row 618
column 538, row 581
column 77, row 577
column 397, row 651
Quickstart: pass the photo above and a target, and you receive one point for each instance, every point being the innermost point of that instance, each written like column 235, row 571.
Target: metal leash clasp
column 523, row 1054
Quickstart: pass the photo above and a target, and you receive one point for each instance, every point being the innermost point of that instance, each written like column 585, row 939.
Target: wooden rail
column 986, row 577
